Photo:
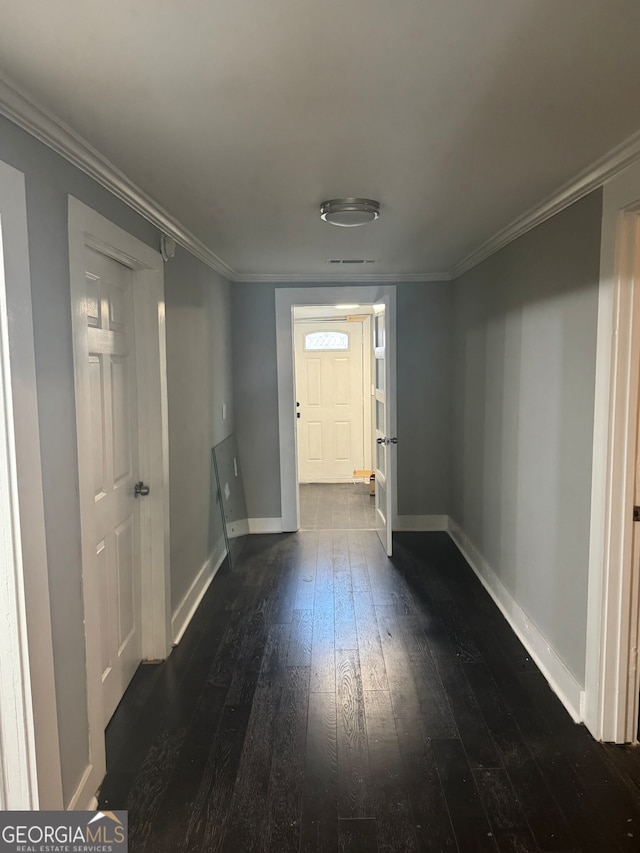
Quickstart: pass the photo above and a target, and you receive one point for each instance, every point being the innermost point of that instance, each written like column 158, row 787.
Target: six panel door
column 110, row 331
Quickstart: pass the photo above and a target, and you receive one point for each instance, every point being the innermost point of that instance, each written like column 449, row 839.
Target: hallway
column 326, row 698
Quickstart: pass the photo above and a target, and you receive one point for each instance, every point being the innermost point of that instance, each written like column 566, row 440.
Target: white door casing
column 610, row 705
column 89, row 229
column 385, row 437
column 112, row 372
column 329, row 391
column 30, row 776
column 286, row 300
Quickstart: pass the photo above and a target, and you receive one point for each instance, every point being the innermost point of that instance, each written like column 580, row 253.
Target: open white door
column 386, row 440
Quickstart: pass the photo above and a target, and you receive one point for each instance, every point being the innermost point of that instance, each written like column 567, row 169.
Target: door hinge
column 636, row 513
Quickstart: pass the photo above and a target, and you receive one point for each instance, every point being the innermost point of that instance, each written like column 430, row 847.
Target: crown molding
column 314, row 278
column 36, row 120
column 591, row 178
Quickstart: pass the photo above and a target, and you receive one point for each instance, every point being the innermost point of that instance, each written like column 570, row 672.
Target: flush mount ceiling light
column 350, row 212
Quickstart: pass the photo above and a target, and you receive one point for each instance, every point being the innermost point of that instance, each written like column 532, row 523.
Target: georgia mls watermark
column 63, row 832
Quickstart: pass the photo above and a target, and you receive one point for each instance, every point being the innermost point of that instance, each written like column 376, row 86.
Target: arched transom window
column 326, row 341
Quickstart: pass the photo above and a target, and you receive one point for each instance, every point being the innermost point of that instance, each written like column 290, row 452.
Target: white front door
column 385, row 438
column 329, row 391
column 112, row 371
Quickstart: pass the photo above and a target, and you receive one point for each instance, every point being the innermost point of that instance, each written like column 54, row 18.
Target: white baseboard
column 86, row 790
column 265, row 525
column 562, row 682
column 338, row 480
column 422, row 522
column 85, row 798
column 189, row 604
column 238, row 528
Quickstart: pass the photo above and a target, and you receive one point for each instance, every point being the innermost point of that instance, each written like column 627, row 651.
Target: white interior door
column 112, row 371
column 384, row 424
column 329, row 391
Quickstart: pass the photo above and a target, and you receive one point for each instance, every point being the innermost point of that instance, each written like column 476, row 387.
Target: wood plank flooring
column 326, row 698
column 336, row 506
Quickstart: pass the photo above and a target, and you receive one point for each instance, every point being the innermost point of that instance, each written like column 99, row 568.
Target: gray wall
column 199, row 382
column 49, row 181
column 424, row 398
column 424, row 410
column 524, row 372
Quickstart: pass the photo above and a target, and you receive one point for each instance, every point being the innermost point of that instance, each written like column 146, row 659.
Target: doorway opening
column 29, row 740
column 383, row 395
column 333, row 382
column 612, row 677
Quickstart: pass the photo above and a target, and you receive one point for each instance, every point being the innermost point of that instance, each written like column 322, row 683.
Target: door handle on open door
column 387, row 441
column 140, row 489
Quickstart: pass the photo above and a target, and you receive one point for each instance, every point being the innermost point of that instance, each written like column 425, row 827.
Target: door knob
column 140, row 489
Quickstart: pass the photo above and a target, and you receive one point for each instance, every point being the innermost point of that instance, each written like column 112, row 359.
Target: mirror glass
column 228, row 476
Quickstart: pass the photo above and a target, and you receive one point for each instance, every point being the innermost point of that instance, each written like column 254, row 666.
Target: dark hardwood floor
column 325, row 698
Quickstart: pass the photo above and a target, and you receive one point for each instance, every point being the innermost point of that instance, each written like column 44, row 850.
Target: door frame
column 30, row 775
column 286, row 298
column 87, row 228
column 610, row 706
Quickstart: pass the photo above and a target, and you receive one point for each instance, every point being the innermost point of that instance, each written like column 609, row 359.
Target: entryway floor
column 336, row 506
column 327, row 698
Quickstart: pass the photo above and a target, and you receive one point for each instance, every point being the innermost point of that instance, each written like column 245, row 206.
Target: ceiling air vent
column 351, row 261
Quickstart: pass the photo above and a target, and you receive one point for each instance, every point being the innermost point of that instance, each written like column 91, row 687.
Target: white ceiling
column 240, row 117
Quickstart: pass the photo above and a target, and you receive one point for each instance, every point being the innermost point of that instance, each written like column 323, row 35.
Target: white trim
column 83, row 792
column 30, row 776
column 611, row 625
column 422, row 522
column 39, row 122
column 341, row 277
column 286, row 298
column 265, row 525
column 594, row 176
column 185, row 610
column 86, row 227
column 364, row 353
column 560, row 679
column 329, row 480
column 368, row 399
column 238, row 529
